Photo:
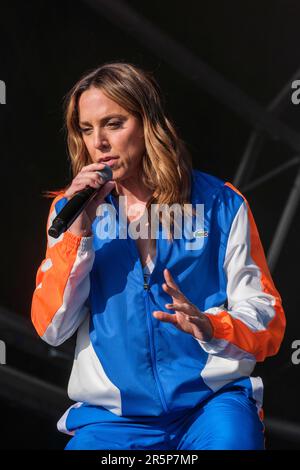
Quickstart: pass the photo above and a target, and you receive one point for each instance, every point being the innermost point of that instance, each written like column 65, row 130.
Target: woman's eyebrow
column 104, row 119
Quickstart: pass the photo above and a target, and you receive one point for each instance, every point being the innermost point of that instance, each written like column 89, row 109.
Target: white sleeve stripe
column 72, row 311
column 247, row 300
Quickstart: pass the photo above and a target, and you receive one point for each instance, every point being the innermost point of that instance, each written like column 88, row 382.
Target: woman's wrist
column 81, row 226
column 81, row 232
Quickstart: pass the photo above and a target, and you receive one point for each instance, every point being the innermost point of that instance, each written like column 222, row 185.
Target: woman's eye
column 85, row 131
column 114, row 124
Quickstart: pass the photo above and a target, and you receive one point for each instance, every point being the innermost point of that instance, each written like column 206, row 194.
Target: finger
column 169, row 279
column 185, row 308
column 173, row 289
column 79, row 185
column 174, row 293
column 165, row 317
column 93, row 167
column 83, row 182
column 94, row 175
column 106, row 189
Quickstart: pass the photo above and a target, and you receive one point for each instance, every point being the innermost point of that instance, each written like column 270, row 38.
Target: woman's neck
column 134, row 192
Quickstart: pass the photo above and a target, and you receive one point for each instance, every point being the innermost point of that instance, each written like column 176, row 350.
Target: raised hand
column 187, row 316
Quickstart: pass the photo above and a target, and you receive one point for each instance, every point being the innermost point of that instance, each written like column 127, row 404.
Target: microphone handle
column 76, row 205
column 71, row 211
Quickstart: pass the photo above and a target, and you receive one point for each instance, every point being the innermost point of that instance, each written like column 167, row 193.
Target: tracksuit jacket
column 127, row 361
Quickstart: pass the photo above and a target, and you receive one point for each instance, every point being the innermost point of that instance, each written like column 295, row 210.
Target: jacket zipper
column 152, row 348
column 146, row 289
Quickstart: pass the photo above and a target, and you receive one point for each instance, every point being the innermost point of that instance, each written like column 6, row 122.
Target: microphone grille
column 106, row 173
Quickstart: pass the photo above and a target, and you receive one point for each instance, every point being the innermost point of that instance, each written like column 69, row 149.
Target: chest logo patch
column 200, row 233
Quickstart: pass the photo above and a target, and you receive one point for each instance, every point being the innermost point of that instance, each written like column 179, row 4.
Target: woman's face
column 108, row 130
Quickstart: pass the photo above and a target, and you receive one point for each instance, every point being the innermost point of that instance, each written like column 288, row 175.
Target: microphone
column 76, row 205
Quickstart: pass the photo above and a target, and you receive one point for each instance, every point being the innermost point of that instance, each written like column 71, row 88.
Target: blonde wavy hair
column 167, row 164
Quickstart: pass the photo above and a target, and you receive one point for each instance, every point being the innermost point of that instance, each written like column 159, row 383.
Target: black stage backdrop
column 45, row 46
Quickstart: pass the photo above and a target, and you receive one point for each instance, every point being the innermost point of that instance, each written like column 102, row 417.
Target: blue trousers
column 226, row 421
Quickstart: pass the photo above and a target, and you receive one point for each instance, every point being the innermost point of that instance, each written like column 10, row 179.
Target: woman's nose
column 100, row 140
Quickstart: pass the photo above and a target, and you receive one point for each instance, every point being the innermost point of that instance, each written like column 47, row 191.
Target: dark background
column 45, row 46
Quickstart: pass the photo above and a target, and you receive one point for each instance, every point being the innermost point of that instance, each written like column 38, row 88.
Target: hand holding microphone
column 87, row 190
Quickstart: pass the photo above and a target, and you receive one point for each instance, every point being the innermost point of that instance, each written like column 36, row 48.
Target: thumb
column 92, row 206
column 104, row 191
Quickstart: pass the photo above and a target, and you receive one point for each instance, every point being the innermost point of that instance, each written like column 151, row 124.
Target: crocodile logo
column 200, row 233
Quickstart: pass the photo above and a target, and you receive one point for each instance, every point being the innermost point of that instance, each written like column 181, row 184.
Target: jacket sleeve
column 60, row 299
column 253, row 321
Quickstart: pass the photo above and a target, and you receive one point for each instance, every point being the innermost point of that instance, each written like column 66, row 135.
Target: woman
column 168, row 333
